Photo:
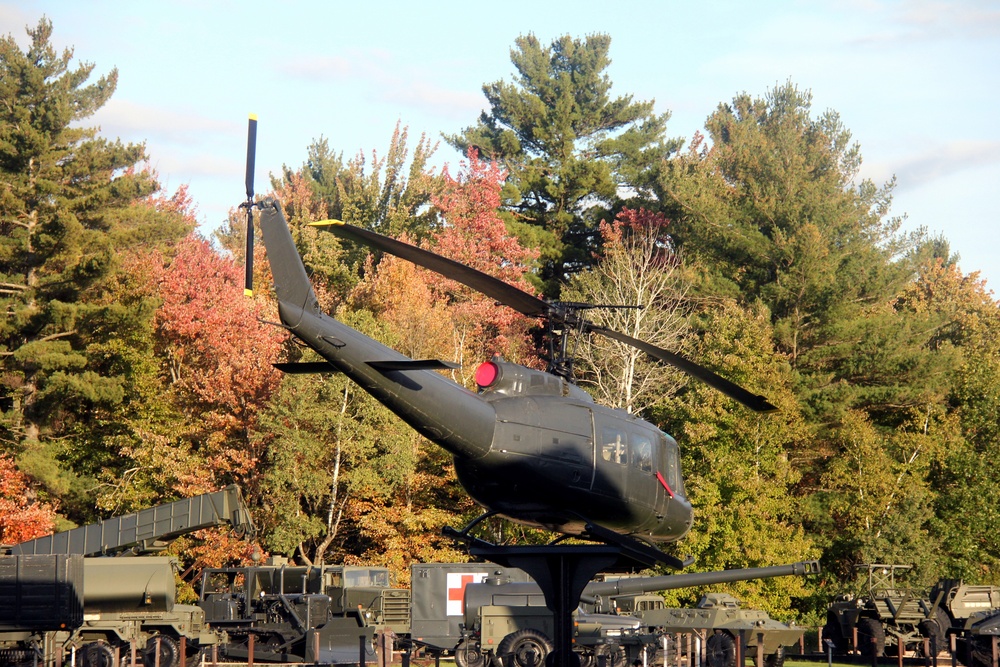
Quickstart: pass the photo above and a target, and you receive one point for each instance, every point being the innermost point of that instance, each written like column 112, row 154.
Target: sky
column 917, row 82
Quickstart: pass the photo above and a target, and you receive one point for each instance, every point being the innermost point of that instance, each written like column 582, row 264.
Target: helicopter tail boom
column 411, row 388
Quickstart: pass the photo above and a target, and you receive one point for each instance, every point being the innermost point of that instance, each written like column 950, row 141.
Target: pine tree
column 568, row 146
column 62, row 195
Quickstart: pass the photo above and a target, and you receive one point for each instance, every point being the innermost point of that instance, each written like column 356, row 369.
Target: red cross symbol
column 458, row 593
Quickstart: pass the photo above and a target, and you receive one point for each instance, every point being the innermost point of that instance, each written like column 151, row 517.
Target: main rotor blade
column 534, row 307
column 251, row 154
column 492, row 287
column 251, row 162
column 730, row 389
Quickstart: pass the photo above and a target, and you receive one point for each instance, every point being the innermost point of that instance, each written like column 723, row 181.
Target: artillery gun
column 886, row 616
column 511, row 621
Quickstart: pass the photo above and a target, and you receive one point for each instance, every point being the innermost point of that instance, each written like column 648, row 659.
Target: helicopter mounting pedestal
column 562, row 571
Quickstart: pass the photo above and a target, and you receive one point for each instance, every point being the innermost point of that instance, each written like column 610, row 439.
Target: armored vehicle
column 885, row 615
column 978, row 642
column 727, row 623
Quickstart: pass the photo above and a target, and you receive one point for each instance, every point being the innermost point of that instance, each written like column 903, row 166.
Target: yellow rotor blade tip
column 247, row 292
column 253, row 116
column 326, row 223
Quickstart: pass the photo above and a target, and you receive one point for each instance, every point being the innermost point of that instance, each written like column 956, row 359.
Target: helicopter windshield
column 671, row 463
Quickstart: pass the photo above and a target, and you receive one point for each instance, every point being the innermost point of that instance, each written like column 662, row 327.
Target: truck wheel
column 615, row 656
column 832, row 632
column 467, row 654
column 776, row 659
column 170, row 652
column 720, row 650
column 524, row 648
column 97, row 654
column 981, row 651
column 870, row 629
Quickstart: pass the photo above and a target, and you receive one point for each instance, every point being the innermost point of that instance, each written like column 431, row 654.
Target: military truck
column 509, row 621
column 126, row 601
column 299, row 612
column 884, row 615
column 286, row 613
column 961, row 601
column 724, row 620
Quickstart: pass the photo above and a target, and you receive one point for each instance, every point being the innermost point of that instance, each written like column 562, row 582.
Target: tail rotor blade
column 251, row 160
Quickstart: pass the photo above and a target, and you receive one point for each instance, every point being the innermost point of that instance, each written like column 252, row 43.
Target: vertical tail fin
column 291, row 283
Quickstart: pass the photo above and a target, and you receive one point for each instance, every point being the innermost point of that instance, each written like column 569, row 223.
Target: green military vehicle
column 978, row 641
column 509, row 621
column 961, row 601
column 126, row 601
column 279, row 612
column 725, row 623
column 886, row 615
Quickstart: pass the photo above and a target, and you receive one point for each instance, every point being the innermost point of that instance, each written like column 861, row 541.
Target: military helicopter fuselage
column 528, row 445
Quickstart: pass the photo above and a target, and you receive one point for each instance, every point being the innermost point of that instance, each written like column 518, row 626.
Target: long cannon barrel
column 627, row 585
column 529, row 594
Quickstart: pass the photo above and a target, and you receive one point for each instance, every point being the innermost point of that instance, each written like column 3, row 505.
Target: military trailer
column 38, row 594
column 132, row 601
column 884, row 615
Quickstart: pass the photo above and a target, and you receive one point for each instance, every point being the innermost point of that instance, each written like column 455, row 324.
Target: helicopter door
column 568, row 440
column 611, row 462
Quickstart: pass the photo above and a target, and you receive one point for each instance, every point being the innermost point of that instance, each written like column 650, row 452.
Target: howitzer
column 503, row 618
column 498, row 592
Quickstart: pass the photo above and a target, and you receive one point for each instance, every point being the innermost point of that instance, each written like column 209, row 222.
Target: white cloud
column 918, row 170
column 137, row 122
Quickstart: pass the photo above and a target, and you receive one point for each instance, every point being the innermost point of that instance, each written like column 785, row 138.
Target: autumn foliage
column 22, row 516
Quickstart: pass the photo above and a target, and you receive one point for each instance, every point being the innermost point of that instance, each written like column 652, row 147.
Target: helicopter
column 528, row 445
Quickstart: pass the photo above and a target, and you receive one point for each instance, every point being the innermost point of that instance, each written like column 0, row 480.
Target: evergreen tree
column 569, row 147
column 63, row 190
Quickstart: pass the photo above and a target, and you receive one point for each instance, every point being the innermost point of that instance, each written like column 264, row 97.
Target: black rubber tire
column 720, row 650
column 170, row 652
column 614, row 655
column 868, row 629
column 981, row 651
column 524, row 648
column 97, row 654
column 832, row 632
column 467, row 654
column 776, row 659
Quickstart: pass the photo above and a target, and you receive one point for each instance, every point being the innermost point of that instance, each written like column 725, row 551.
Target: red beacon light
column 487, row 374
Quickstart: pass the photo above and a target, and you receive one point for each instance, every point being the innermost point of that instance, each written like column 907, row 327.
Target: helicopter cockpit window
column 642, row 452
column 613, row 446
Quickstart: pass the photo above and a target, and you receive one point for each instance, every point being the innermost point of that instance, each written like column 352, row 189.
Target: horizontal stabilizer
column 413, row 365
column 304, row 367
